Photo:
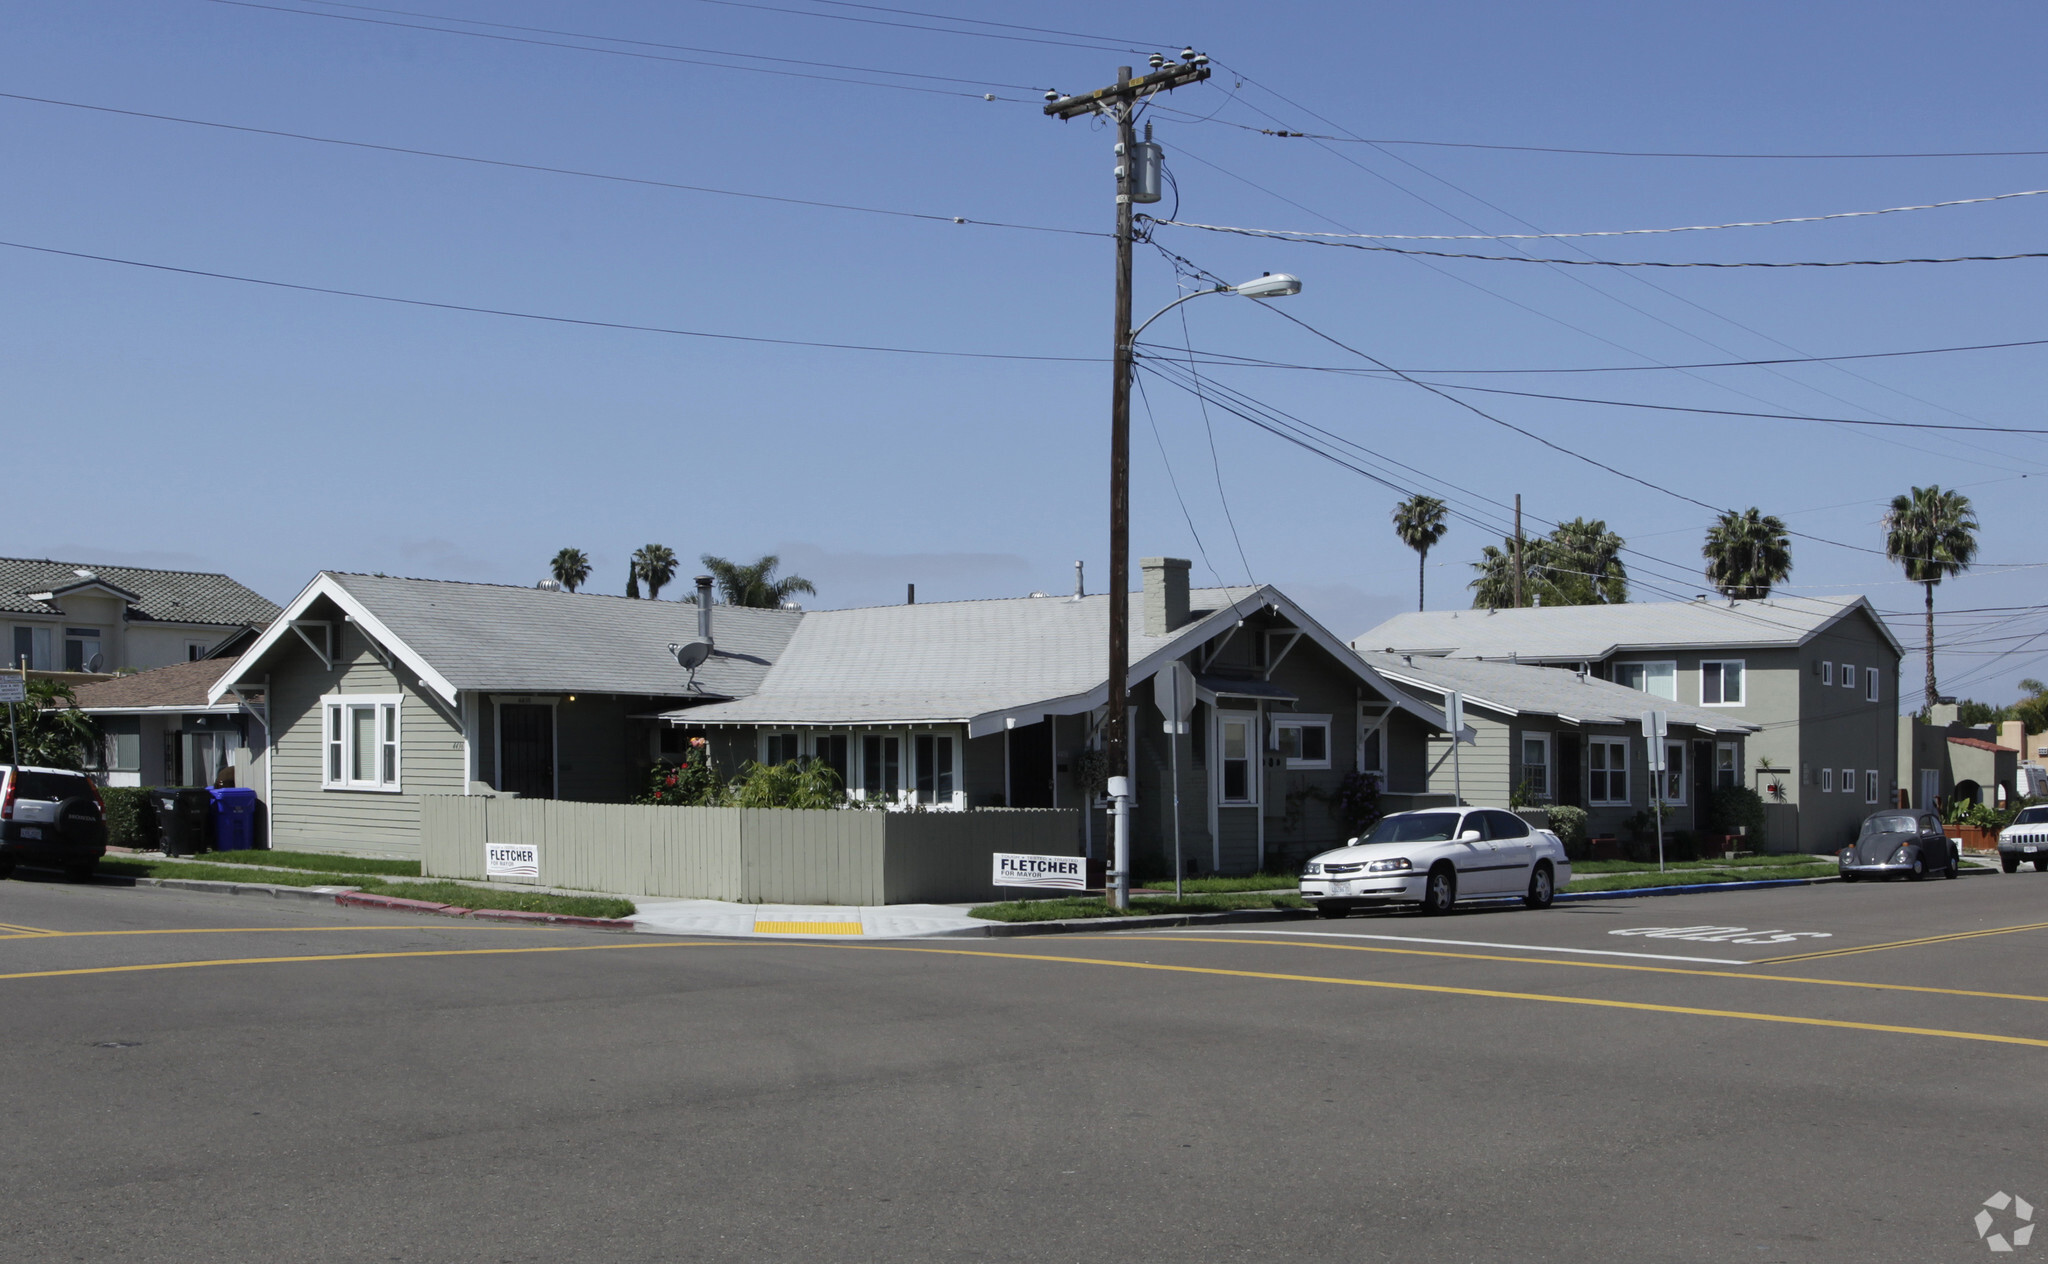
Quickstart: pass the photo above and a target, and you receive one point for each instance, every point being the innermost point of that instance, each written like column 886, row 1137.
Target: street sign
column 1068, row 873
column 1173, row 692
column 1656, row 727
column 511, row 860
column 13, row 689
column 1454, row 712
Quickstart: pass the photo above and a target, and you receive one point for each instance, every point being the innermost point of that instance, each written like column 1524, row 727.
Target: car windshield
column 2031, row 816
column 49, row 787
column 1890, row 823
column 1414, row 827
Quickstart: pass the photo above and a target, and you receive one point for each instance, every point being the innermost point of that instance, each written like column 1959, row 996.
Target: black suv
column 51, row 818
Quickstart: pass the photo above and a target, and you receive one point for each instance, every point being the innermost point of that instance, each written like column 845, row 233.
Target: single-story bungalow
column 380, row 690
column 163, row 728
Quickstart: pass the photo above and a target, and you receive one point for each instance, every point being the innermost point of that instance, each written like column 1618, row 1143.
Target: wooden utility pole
column 1518, row 550
column 1120, row 102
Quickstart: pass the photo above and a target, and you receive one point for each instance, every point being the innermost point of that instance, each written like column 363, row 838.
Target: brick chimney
column 1166, row 594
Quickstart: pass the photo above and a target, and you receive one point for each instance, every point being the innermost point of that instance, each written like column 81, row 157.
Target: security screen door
column 526, row 750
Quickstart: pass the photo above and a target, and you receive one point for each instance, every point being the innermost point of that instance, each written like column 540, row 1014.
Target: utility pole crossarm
column 1107, row 98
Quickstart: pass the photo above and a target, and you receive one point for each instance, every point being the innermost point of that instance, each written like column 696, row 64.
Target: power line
column 1273, row 234
column 1620, row 153
column 1731, row 412
column 554, row 320
column 1220, row 357
column 1108, row 46
column 1174, row 482
column 557, row 171
column 943, row 17
column 1650, row 232
column 643, row 56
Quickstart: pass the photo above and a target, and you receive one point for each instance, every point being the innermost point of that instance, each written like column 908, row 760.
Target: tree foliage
column 1419, row 521
column 755, row 584
column 655, row 564
column 1932, row 534
column 53, row 732
column 1578, row 564
column 570, row 567
column 1747, row 554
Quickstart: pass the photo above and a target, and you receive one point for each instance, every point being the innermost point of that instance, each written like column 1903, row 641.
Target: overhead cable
column 1221, row 357
column 557, row 171
column 1731, row 412
column 553, row 320
column 1107, row 44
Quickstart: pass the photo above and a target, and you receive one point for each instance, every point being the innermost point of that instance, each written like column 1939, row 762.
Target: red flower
column 671, row 779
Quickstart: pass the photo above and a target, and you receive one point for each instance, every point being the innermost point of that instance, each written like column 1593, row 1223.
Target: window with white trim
column 1659, row 680
column 1535, row 775
column 1848, row 676
column 1674, row 773
column 1304, row 740
column 1827, row 672
column 1870, row 785
column 1727, row 772
column 781, row 748
column 1234, row 780
column 934, row 776
column 1848, row 781
column 1721, row 683
column 360, row 732
column 1607, row 771
column 1870, row 685
column 1827, row 781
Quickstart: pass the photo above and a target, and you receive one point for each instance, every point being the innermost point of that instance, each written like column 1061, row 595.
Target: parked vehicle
column 52, row 817
column 1895, row 844
column 2025, row 839
column 1435, row 857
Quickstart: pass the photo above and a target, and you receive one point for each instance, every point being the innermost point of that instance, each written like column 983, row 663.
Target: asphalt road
column 202, row 1078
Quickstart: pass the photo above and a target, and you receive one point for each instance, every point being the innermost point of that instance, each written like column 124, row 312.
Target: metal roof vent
column 549, row 585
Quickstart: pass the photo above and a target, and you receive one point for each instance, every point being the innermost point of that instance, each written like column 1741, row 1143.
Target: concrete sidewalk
column 825, row 921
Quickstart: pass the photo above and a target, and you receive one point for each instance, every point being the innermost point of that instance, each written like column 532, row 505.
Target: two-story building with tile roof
column 1817, row 676
column 73, row 617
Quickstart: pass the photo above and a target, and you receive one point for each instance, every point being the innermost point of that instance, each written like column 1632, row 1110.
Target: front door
column 526, row 750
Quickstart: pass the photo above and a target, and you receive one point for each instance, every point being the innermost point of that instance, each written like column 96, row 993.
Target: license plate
column 2028, row 847
column 33, row 831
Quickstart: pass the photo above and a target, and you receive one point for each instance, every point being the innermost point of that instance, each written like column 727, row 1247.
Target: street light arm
column 1220, row 289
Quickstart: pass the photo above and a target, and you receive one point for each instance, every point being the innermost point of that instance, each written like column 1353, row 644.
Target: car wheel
column 1919, row 870
column 1542, row 888
column 1440, row 891
column 1954, row 869
column 6, row 870
column 2011, row 864
column 1326, row 909
column 2040, row 864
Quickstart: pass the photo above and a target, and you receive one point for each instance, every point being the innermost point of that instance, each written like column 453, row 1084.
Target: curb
column 1700, row 888
column 1156, row 921
column 351, row 897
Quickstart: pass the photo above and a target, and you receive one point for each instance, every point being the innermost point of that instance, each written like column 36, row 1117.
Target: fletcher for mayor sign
column 1066, row 872
column 511, row 860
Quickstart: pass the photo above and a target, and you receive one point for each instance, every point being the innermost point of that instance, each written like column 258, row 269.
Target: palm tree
column 655, row 563
column 571, row 568
column 755, row 584
column 1419, row 521
column 1933, row 535
column 1747, row 553
column 1584, row 566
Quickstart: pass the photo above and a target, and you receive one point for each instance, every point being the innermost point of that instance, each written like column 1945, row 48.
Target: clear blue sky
column 156, row 418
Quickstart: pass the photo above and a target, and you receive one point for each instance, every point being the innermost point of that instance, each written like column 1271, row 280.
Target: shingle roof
column 947, row 661
column 179, row 685
column 491, row 636
column 1526, row 688
column 1575, row 633
column 157, row 596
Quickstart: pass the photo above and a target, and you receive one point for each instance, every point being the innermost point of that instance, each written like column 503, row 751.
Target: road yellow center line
column 244, row 930
column 1902, row 943
column 1596, row 965
column 10, row 931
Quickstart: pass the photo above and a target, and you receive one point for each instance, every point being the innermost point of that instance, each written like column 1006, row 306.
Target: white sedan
column 1436, row 857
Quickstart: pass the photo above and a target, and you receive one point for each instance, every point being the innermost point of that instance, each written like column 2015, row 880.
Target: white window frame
column 1848, row 675
column 1670, row 665
column 1250, row 721
column 1870, row 785
column 1849, row 780
column 767, row 735
column 1678, row 799
column 1612, row 744
column 953, row 802
column 1548, row 790
column 1872, row 690
column 1827, row 672
column 389, row 709
column 1734, row 765
column 1827, row 781
column 1740, row 664
column 1298, row 722
column 856, row 757
column 84, row 636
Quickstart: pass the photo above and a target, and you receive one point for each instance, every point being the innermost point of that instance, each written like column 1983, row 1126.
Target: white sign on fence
column 13, row 689
column 511, row 860
column 1069, row 873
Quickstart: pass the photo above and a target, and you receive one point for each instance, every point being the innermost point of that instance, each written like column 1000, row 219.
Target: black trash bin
column 184, row 817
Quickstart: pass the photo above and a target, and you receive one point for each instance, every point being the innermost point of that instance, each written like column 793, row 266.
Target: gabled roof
column 1527, row 689
column 37, row 586
column 457, row 636
column 1560, row 634
column 181, row 686
column 983, row 663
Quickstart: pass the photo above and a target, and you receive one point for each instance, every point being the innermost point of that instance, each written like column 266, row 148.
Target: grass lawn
column 1676, row 877
column 438, row 892
column 319, row 861
column 1225, row 886
column 1141, row 906
column 1793, row 861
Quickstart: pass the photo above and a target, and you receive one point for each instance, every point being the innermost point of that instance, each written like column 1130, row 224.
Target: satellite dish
column 93, row 664
column 690, row 655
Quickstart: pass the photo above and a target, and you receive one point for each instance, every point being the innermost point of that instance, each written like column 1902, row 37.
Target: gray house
column 1817, row 676
column 161, row 729
column 1564, row 738
column 378, row 691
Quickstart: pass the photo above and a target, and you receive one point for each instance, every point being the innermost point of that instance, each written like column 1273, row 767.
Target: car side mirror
column 1469, row 836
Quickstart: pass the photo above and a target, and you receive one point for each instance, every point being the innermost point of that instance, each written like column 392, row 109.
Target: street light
column 1269, row 285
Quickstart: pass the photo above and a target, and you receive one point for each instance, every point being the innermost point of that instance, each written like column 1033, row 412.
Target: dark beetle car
column 1897, row 841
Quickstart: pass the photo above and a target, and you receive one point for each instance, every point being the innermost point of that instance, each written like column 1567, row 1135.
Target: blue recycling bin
column 234, row 818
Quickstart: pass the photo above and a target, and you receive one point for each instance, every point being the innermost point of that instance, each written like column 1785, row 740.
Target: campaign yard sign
column 511, row 860
column 1068, row 873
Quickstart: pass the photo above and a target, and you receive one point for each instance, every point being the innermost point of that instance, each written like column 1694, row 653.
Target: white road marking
column 1724, row 934
column 1465, row 943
